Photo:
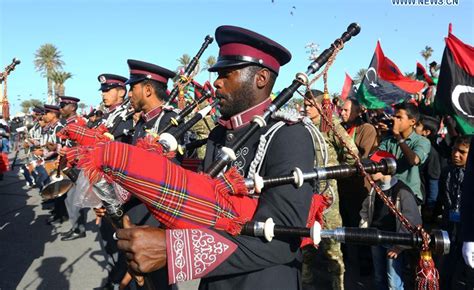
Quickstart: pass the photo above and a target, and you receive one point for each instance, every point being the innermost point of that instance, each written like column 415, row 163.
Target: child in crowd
column 453, row 268
column 409, row 148
column 430, row 171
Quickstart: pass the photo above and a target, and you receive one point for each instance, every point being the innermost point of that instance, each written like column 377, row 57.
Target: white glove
column 468, row 253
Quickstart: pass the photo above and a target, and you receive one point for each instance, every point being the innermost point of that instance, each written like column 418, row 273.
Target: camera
column 376, row 117
column 385, row 119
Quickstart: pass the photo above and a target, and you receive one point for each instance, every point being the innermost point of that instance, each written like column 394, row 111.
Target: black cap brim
column 222, row 64
column 108, row 87
column 135, row 79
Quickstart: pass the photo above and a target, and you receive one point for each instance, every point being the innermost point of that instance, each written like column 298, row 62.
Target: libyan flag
column 422, row 75
column 384, row 84
column 455, row 92
column 349, row 90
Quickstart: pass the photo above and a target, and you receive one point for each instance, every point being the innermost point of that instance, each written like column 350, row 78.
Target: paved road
column 32, row 256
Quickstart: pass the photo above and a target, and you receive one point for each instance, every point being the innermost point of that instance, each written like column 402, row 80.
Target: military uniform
column 118, row 118
column 324, row 267
column 77, row 214
column 151, row 122
column 35, row 134
column 53, row 129
column 201, row 130
column 257, row 264
column 59, row 212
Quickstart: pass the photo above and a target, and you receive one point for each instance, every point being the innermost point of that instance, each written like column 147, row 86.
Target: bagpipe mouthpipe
column 387, row 166
column 439, row 240
column 227, row 155
column 190, row 67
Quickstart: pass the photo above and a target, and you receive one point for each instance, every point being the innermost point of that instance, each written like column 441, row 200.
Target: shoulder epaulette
column 289, row 116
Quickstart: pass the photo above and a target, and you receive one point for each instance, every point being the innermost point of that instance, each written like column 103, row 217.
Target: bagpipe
column 184, row 78
column 206, row 93
column 387, row 166
column 87, row 137
column 439, row 240
column 180, row 198
column 170, row 140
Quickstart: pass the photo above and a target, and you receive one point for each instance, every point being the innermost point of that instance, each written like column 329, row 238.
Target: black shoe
column 67, row 234
column 51, row 219
column 74, row 236
column 54, row 221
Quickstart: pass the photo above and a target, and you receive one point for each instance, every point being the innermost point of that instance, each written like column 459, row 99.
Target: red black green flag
column 384, row 84
column 422, row 75
column 455, row 92
column 349, row 90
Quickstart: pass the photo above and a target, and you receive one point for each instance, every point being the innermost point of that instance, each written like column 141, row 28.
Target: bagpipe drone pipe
column 180, row 198
column 439, row 240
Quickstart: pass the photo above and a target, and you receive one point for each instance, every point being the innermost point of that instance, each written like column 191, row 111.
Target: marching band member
column 247, row 68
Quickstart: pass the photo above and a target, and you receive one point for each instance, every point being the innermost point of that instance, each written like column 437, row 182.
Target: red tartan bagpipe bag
column 177, row 198
column 84, row 136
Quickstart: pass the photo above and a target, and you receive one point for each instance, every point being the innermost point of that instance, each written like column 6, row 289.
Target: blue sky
column 97, row 36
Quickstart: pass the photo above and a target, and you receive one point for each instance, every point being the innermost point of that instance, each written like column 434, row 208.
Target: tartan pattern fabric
column 72, row 155
column 82, row 135
column 176, row 197
column 151, row 143
column 78, row 120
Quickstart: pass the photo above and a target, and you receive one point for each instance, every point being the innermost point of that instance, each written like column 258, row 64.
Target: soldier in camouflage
column 325, row 267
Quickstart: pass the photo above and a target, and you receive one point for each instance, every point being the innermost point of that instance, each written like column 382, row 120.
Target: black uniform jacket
column 258, row 264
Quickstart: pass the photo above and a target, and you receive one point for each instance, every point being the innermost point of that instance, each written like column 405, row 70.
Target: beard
column 237, row 102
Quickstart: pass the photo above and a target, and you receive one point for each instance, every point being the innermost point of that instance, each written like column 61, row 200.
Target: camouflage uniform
column 324, row 267
column 202, row 130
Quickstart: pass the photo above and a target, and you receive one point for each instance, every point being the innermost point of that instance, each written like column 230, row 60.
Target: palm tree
column 47, row 60
column 210, row 61
column 360, row 75
column 184, row 60
column 59, row 78
column 26, row 105
column 36, row 102
column 82, row 106
column 426, row 54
